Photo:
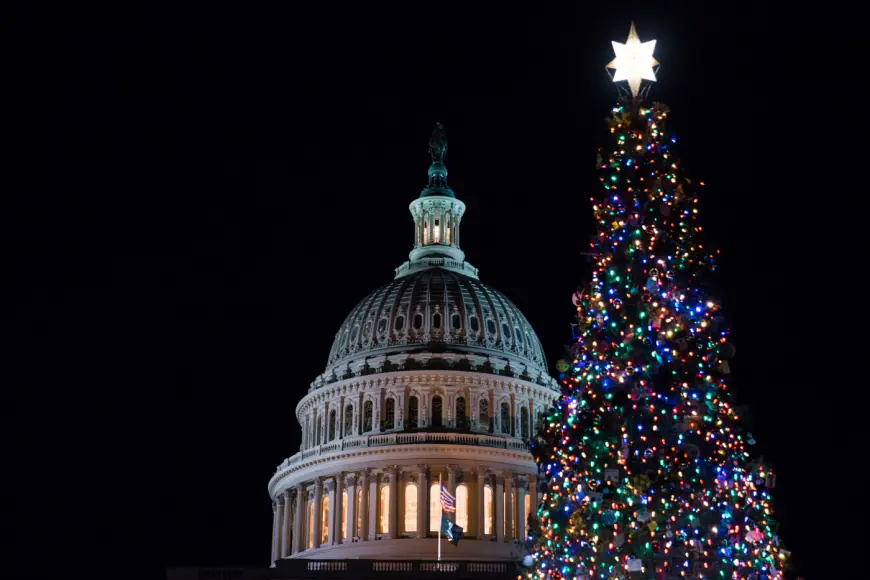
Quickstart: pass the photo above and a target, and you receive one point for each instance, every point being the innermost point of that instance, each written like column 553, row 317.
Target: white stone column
column 451, row 479
column 499, row 508
column 480, row 473
column 285, row 524
column 298, row 534
column 508, row 506
column 350, row 486
column 393, row 520
column 521, row 506
column 275, row 528
column 318, row 495
column 423, row 501
column 331, row 487
column 365, row 485
column 374, row 498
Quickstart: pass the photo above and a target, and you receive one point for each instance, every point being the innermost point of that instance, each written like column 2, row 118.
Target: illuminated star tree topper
column 634, row 61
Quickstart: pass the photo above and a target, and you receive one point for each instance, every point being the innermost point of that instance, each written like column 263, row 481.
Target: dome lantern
column 437, row 215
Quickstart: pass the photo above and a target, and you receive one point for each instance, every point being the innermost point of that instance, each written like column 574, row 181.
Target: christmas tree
column 646, row 469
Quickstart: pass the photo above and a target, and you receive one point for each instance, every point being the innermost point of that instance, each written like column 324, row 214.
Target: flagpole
column 440, row 516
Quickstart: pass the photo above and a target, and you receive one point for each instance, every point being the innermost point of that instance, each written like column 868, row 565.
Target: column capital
column 350, row 479
column 423, row 467
column 329, row 485
column 318, row 483
column 521, row 481
column 280, row 499
column 299, row 488
column 288, row 493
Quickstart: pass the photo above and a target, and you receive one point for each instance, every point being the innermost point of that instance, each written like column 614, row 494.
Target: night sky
column 202, row 193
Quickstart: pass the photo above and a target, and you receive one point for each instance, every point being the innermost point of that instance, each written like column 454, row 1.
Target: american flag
column 448, row 502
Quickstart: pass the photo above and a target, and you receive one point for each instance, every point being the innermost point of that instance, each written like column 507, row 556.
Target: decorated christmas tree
column 646, row 468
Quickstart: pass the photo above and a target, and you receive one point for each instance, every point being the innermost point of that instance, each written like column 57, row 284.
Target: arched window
column 527, row 509
column 418, row 321
column 342, row 533
column 505, row 418
column 461, row 414
column 382, row 325
column 384, row 509
column 411, row 507
column 483, row 414
column 367, row 416
column 413, row 413
column 359, row 532
column 456, row 321
column 332, row 425
column 474, row 324
column 436, row 320
column 490, row 326
column 324, row 520
column 348, row 421
column 354, row 334
column 524, row 421
column 400, row 322
column 434, row 508
column 436, row 411
column 390, row 421
column 462, row 506
column 311, row 524
column 505, row 332
column 317, row 432
column 487, row 510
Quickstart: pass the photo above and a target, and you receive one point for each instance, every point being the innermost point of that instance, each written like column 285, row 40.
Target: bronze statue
column 438, row 144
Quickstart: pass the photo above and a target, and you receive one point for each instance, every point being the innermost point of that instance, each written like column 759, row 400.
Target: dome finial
column 438, row 171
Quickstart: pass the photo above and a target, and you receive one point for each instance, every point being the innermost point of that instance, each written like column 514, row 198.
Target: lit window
column 411, row 508
column 311, row 525
column 462, row 506
column 527, row 509
column 324, row 520
column 436, row 232
column 487, row 510
column 384, row 519
column 359, row 530
column 343, row 531
column 434, row 508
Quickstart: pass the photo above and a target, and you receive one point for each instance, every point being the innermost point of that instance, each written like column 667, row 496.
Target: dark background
column 201, row 193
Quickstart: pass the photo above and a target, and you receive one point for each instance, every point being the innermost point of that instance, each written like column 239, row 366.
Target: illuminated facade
column 434, row 374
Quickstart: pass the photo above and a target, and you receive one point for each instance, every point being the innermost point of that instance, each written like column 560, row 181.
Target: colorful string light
column 647, row 468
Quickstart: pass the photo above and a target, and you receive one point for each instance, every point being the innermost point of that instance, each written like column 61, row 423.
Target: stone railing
column 363, row 569
column 386, row 439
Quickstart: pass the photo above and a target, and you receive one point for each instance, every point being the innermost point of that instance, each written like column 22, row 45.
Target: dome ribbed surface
column 437, row 310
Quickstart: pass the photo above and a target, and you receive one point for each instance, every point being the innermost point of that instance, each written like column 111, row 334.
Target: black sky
column 201, row 193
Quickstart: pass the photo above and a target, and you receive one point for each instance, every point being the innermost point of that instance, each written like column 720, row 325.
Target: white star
column 634, row 61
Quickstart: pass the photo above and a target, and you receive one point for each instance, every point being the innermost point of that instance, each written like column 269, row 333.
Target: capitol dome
column 434, row 379
column 437, row 311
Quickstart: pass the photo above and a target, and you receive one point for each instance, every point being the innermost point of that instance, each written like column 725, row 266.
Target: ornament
column 642, row 514
column 528, row 560
column 562, row 365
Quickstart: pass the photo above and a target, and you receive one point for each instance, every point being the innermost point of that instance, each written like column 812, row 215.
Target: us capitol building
column 432, row 374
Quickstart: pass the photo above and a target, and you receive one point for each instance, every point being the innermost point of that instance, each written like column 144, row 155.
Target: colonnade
column 400, row 501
